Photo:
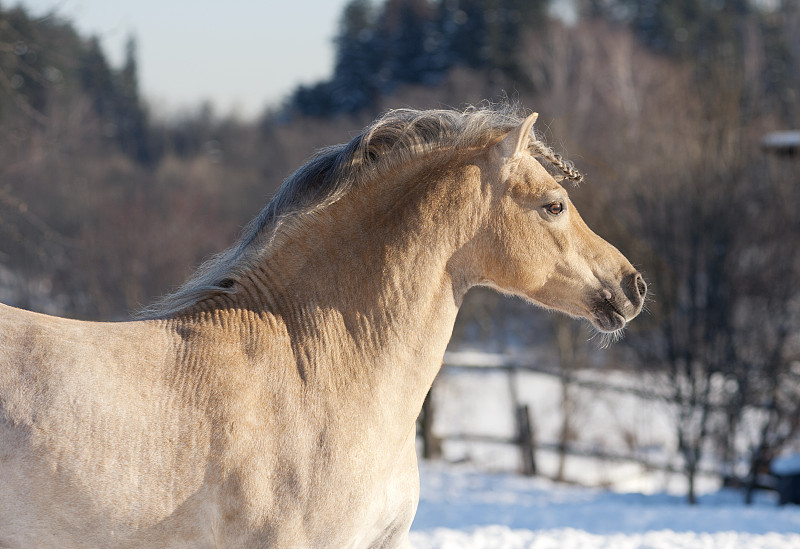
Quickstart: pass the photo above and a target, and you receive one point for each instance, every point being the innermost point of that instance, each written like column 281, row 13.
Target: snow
column 782, row 140
column 786, row 465
column 633, row 499
column 462, row 508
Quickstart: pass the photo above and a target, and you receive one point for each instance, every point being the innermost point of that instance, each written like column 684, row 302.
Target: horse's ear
column 517, row 141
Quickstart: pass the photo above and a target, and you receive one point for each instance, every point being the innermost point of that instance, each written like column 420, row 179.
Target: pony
column 271, row 400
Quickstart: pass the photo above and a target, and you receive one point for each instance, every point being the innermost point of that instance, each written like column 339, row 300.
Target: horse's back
column 35, row 351
column 44, row 359
column 88, row 424
column 33, row 348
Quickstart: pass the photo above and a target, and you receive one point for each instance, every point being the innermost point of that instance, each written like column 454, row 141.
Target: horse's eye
column 555, row 208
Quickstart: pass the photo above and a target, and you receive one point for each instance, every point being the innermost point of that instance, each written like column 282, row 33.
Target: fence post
column 431, row 445
column 526, row 440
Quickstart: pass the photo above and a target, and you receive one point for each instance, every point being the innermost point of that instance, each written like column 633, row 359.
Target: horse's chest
column 351, row 503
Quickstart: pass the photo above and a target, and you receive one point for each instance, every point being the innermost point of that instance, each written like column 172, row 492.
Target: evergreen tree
column 357, row 66
column 130, row 118
column 409, row 33
column 116, row 100
column 465, row 31
column 97, row 80
column 688, row 28
column 781, row 79
column 533, row 14
column 35, row 55
column 416, row 42
column 314, row 100
column 505, row 33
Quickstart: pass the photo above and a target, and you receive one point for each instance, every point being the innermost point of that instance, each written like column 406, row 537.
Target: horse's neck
column 368, row 318
column 368, row 301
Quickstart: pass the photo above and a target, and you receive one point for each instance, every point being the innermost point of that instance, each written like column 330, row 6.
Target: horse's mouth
column 607, row 318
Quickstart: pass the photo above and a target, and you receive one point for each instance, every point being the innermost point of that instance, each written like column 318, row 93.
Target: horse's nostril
column 641, row 285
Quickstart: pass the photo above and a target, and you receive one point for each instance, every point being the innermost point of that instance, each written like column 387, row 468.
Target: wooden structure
column 785, row 143
column 524, row 437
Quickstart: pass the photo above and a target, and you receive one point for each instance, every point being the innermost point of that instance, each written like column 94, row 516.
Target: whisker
column 605, row 339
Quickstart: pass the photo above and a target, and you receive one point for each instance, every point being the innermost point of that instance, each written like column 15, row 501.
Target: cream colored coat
column 281, row 412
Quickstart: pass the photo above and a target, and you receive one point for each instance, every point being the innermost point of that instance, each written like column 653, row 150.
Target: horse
column 271, row 400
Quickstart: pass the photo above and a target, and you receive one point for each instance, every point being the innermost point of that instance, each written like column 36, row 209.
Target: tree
column 410, row 40
column 465, row 32
column 36, row 63
column 766, row 378
column 728, row 302
column 356, row 69
column 130, row 117
column 97, row 79
column 116, row 100
column 20, row 69
column 694, row 232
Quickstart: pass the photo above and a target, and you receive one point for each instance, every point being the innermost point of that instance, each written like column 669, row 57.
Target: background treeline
column 661, row 103
column 380, row 47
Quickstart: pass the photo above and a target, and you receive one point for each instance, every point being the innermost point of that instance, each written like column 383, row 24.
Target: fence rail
column 525, row 438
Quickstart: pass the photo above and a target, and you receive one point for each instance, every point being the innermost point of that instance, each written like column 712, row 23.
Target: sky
column 241, row 55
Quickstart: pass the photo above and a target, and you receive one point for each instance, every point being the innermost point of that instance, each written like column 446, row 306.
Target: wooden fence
column 525, row 437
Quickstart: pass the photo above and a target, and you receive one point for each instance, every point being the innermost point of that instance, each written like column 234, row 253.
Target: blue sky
column 240, row 54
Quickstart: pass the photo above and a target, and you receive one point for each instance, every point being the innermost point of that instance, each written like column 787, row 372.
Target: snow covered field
column 461, row 508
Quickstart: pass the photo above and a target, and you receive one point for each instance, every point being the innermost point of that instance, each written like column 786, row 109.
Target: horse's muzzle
column 614, row 309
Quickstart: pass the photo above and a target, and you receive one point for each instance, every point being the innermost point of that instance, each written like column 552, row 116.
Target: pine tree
column 22, row 62
column 315, row 100
column 97, row 80
column 357, row 66
column 687, row 28
column 129, row 114
column 410, row 37
column 465, row 31
column 505, row 32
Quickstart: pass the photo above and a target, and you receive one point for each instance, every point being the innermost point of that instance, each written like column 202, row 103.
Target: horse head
column 538, row 247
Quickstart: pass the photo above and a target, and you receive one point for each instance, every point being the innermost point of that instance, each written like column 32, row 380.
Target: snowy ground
column 461, row 508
